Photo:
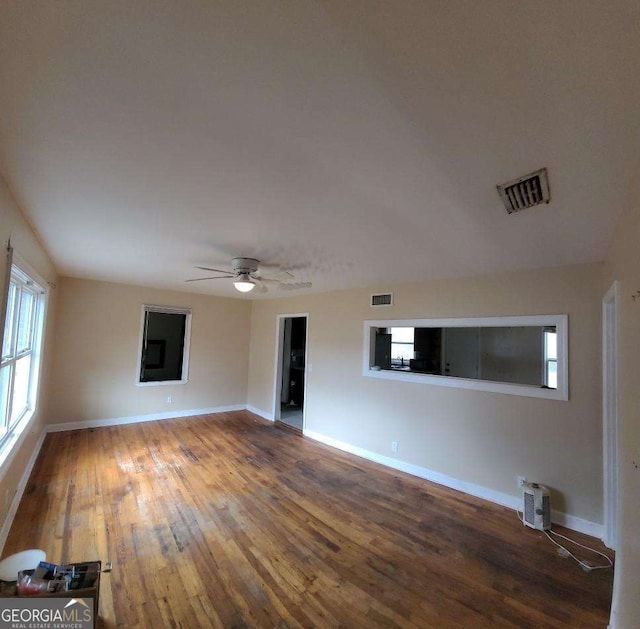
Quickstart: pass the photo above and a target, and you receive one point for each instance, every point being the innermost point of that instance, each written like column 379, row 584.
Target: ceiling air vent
column 525, row 192
column 381, row 299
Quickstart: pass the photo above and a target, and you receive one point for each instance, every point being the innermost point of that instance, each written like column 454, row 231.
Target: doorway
column 291, row 361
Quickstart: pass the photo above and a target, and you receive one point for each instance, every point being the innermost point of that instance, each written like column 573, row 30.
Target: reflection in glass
column 7, row 348
column 19, row 403
column 25, row 319
column 551, row 358
column 5, row 378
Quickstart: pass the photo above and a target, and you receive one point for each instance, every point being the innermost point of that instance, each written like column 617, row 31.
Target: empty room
column 320, row 313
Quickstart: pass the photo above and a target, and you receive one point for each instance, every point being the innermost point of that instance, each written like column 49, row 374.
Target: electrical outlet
column 521, row 481
column 169, row 399
column 394, row 446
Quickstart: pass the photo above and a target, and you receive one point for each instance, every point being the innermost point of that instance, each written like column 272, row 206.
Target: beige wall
column 479, row 437
column 623, row 265
column 97, row 336
column 26, row 244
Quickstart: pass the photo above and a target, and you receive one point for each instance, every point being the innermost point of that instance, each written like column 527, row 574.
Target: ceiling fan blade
column 275, row 273
column 208, row 268
column 268, row 267
column 260, row 278
column 294, row 286
column 217, row 277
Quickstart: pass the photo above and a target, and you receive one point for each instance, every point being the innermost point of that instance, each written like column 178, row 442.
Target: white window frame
column 26, row 279
column 561, row 323
column 185, row 352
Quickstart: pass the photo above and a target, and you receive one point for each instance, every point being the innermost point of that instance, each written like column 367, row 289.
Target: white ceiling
column 356, row 142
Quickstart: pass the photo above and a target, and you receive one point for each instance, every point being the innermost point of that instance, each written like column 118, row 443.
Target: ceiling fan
column 248, row 274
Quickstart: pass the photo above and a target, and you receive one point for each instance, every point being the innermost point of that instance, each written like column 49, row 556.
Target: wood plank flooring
column 230, row 521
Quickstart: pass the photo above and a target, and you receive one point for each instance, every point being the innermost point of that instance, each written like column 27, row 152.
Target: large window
column 21, row 343
column 164, row 348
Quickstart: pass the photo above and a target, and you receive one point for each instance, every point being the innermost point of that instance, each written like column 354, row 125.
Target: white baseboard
column 575, row 523
column 22, row 484
column 506, row 500
column 260, row 413
column 135, row 419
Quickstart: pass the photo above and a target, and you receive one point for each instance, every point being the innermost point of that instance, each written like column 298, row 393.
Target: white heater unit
column 536, row 510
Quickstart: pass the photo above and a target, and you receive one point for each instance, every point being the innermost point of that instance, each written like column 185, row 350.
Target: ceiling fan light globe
column 244, row 284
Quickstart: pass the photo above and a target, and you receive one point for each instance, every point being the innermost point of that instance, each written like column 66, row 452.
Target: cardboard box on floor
column 9, row 590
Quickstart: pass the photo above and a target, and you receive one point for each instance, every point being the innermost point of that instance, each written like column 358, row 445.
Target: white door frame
column 277, row 382
column 610, row 414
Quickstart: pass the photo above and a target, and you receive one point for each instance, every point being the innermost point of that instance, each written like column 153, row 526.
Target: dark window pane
column 163, row 347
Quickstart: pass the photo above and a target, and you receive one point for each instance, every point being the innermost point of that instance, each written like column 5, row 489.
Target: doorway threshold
column 288, row 427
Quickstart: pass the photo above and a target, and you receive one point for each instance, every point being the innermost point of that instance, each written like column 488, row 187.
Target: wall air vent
column 526, row 191
column 381, row 299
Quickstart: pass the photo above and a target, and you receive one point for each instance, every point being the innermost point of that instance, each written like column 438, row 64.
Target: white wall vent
column 381, row 299
column 525, row 192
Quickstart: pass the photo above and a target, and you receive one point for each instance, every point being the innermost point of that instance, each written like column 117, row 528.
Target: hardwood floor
column 231, row 521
